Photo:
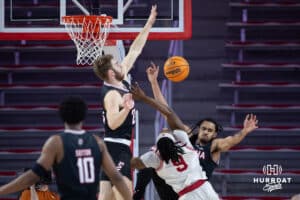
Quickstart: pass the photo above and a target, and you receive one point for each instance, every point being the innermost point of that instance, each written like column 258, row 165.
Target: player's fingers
column 254, row 117
column 149, row 69
column 153, row 65
column 247, row 117
column 127, row 96
column 133, row 88
column 251, row 116
column 136, row 84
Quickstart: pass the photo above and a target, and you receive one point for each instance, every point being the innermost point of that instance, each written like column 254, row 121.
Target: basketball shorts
column 121, row 155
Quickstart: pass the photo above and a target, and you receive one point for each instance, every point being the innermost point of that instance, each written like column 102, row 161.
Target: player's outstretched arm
column 152, row 74
column 137, row 163
column 24, row 181
column 173, row 120
column 114, row 175
column 224, row 144
column 29, row 178
column 139, row 42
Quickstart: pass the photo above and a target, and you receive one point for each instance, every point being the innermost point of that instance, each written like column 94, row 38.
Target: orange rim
column 79, row 19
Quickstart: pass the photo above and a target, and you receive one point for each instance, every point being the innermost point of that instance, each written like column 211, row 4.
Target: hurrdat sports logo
column 272, row 179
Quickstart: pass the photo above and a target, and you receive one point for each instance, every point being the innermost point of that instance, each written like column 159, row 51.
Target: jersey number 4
column 180, row 164
column 86, row 169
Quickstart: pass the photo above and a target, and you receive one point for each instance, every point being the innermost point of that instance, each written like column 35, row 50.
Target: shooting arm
column 173, row 120
column 152, row 74
column 157, row 92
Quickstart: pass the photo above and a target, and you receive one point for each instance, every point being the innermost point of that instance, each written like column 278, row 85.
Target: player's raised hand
column 152, row 72
column 250, row 123
column 137, row 92
column 128, row 102
column 153, row 15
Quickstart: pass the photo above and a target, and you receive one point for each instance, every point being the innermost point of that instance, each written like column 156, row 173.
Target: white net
column 89, row 34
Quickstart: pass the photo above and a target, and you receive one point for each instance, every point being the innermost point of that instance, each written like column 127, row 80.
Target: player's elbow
column 136, row 163
column 116, row 177
column 113, row 125
column 31, row 178
column 168, row 113
column 226, row 146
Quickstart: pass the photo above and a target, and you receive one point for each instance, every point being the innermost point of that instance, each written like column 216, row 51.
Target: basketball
column 176, row 69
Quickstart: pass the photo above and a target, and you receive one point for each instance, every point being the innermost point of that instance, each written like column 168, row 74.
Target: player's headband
column 165, row 135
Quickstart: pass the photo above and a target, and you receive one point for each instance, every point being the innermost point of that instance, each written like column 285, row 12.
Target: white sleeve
column 182, row 136
column 150, row 159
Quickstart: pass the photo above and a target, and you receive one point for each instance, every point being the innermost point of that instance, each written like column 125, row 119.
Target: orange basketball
column 176, row 69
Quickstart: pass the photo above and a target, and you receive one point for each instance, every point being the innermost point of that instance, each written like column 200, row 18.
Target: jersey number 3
column 180, row 164
column 86, row 169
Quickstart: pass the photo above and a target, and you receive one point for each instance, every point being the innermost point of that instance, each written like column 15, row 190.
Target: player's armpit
column 137, row 163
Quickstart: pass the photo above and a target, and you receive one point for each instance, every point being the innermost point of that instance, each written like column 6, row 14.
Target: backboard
column 41, row 19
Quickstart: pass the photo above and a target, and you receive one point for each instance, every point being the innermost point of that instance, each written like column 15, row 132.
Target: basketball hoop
column 89, row 34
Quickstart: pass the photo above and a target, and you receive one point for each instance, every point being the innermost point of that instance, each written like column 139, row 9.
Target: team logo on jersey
column 120, row 165
column 200, row 152
column 80, row 141
column 272, row 178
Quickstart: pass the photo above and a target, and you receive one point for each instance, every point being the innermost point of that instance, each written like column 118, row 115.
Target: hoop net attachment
column 89, row 34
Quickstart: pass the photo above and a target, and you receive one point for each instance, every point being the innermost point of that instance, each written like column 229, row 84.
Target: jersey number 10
column 86, row 169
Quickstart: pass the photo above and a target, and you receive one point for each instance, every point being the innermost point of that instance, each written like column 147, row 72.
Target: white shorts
column 204, row 192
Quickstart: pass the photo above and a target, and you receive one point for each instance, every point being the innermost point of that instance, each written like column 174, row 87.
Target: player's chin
column 120, row 77
column 205, row 139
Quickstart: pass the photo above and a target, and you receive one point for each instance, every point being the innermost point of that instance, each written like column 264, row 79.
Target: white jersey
column 177, row 174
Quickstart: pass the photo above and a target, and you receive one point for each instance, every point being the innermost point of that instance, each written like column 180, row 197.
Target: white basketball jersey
column 183, row 173
column 177, row 174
